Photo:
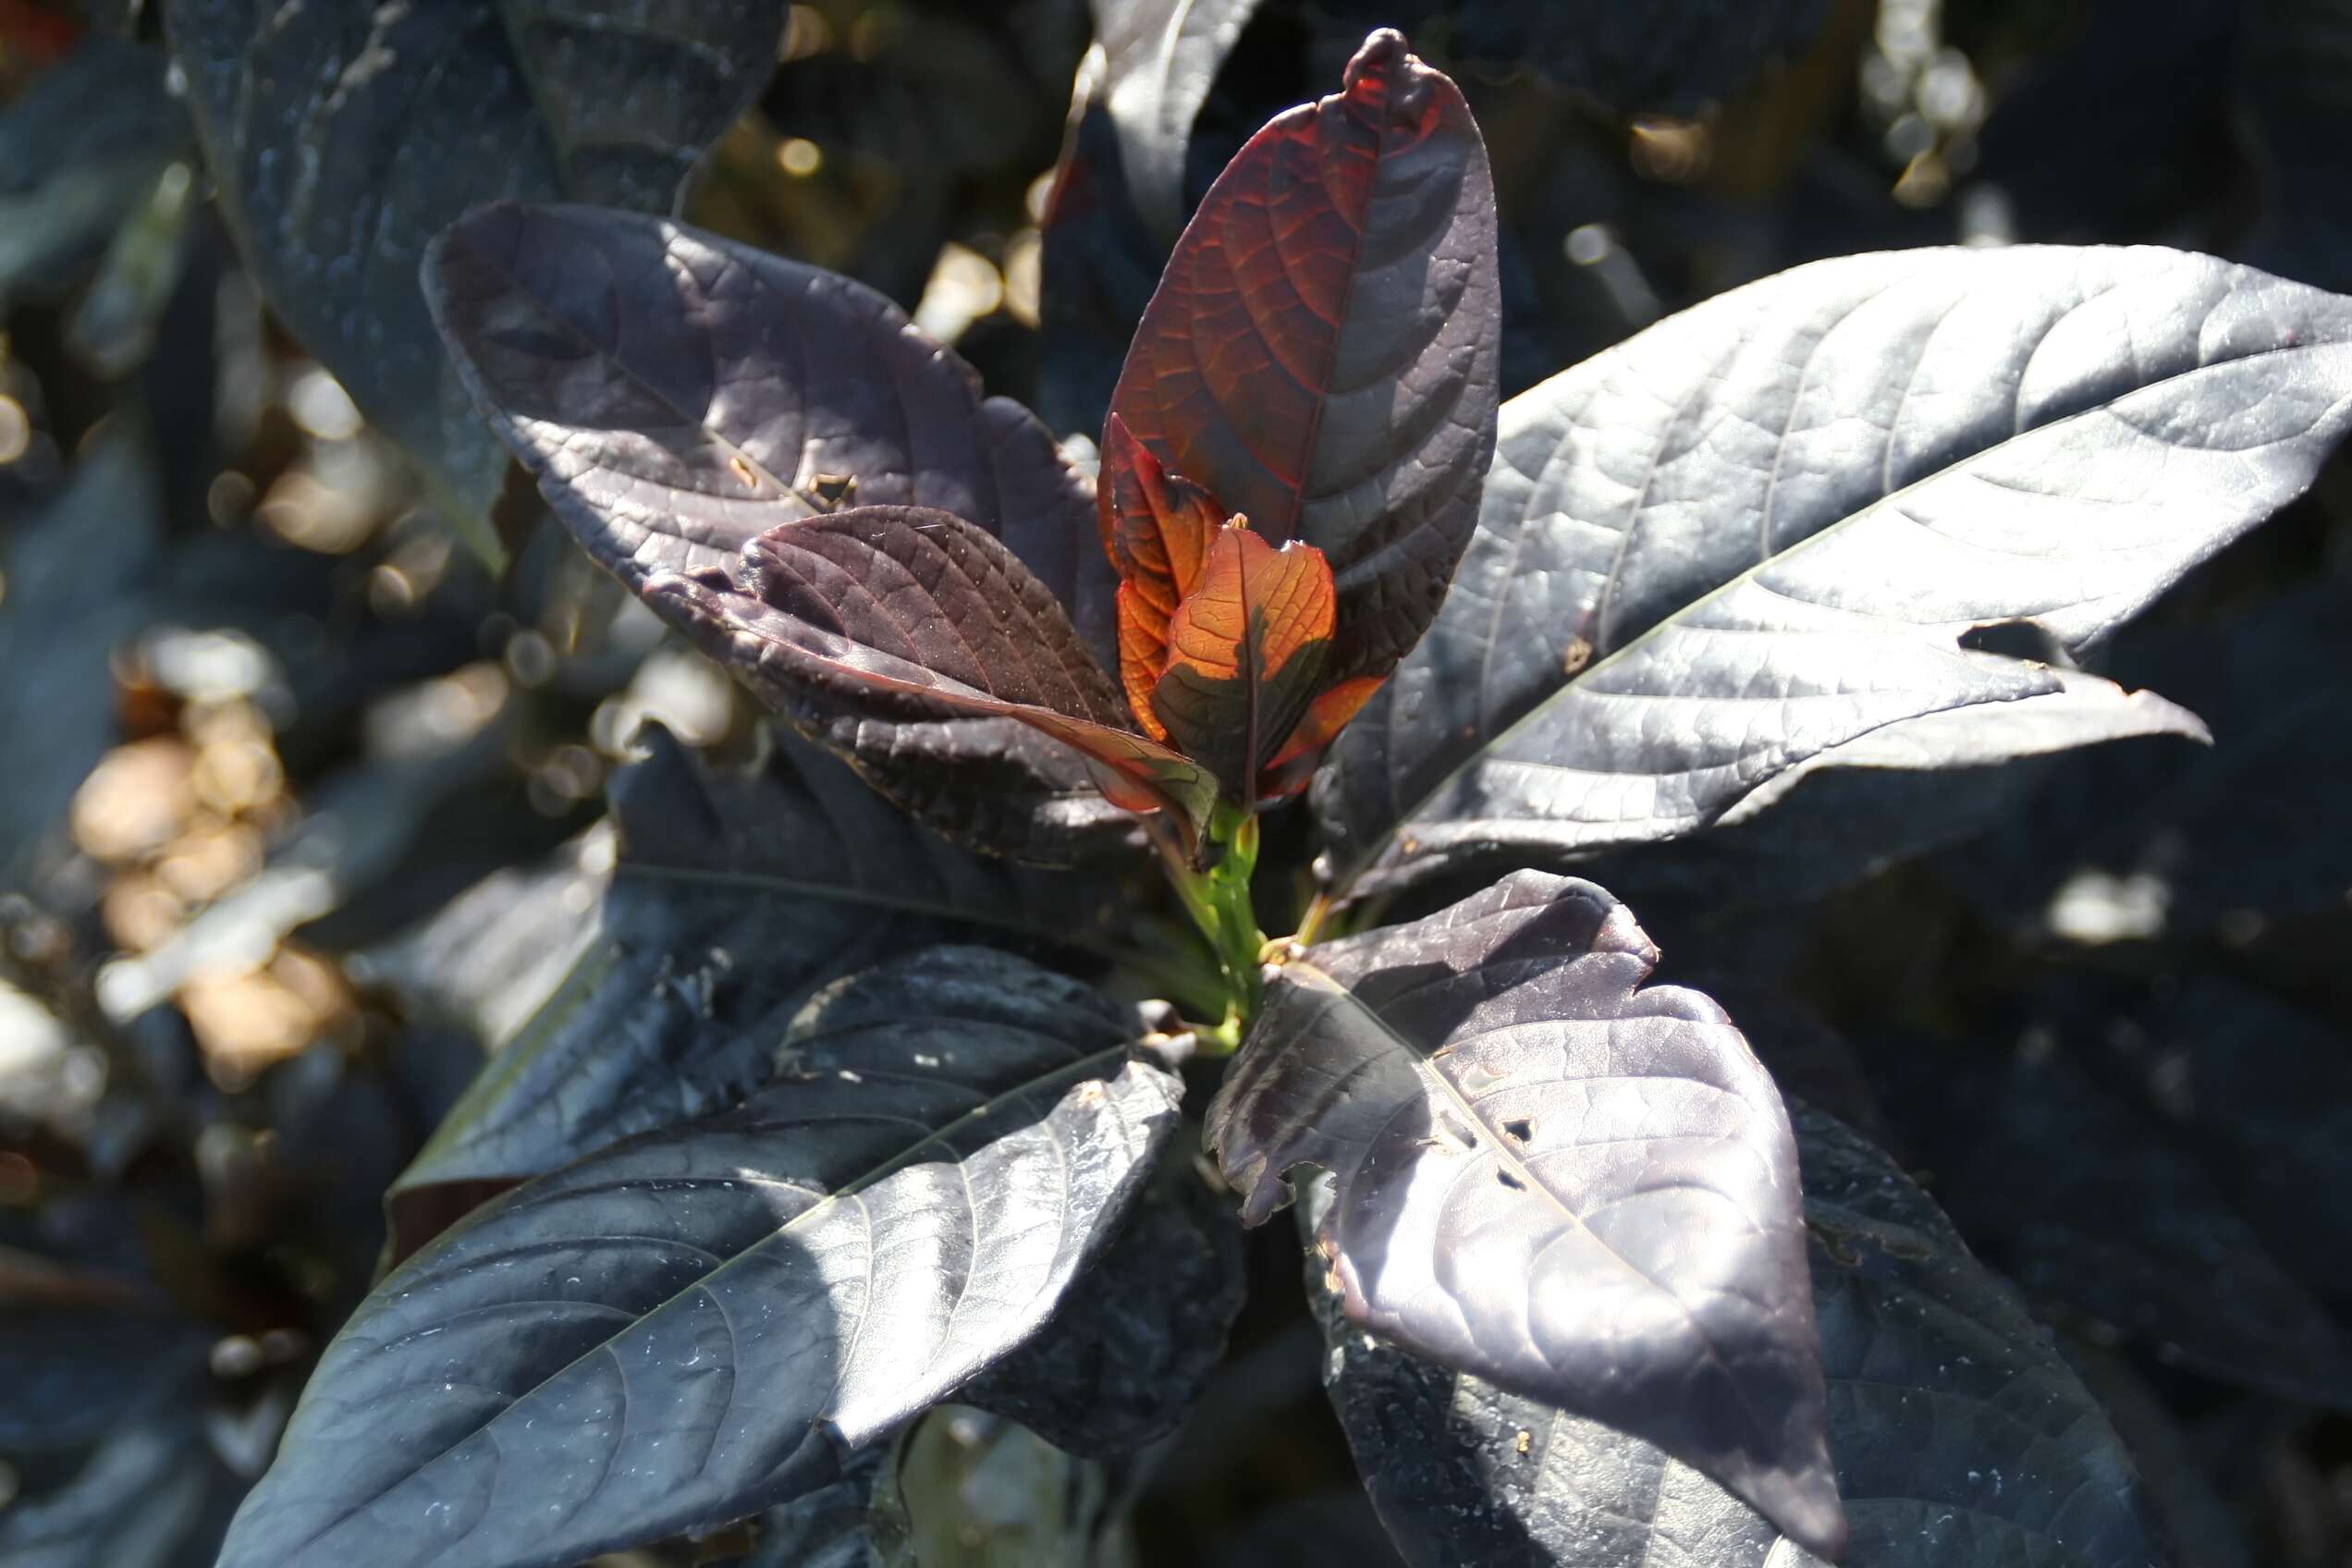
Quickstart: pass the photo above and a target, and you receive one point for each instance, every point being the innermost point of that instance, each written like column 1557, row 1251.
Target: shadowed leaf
column 1322, row 353
column 2105, row 1214
column 676, row 393
column 406, row 116
column 1757, row 539
column 1583, row 1191
column 82, row 145
column 1159, row 60
column 1127, row 1356
column 639, row 992
column 1959, row 1435
column 704, row 1322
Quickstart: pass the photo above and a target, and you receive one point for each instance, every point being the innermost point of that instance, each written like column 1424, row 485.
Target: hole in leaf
column 1503, row 1175
column 1520, row 1129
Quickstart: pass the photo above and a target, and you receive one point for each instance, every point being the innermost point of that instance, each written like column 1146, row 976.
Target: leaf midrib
column 1374, row 852
column 1071, row 1073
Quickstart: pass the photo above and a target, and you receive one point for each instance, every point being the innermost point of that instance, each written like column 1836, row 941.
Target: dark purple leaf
column 912, row 611
column 1960, row 1435
column 704, row 1322
column 1321, row 354
column 2077, row 1189
column 1754, row 543
column 678, row 394
column 343, row 138
column 1549, row 1178
column 153, row 1495
column 630, row 992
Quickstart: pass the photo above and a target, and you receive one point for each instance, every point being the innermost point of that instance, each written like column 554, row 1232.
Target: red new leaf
column 1156, row 529
column 1246, row 651
column 1322, row 353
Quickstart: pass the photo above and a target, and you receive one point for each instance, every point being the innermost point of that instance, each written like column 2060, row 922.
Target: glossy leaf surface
column 1961, row 1439
column 664, row 981
column 1322, row 353
column 1763, row 532
column 1159, row 60
column 1246, row 652
column 676, row 393
column 409, row 116
column 920, row 611
column 702, row 1322
column 1548, row 1177
column 1127, row 1356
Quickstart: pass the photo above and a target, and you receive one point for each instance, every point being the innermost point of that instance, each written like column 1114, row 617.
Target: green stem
column 1218, row 901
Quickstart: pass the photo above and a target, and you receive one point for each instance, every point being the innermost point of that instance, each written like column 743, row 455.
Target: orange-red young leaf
column 1322, row 352
column 1156, row 525
column 1294, row 766
column 1246, row 651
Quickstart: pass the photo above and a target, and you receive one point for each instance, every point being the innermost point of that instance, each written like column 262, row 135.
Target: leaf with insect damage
column 1550, row 1178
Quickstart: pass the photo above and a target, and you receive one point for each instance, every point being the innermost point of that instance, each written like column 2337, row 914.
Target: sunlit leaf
column 908, row 610
column 1761, row 540
column 1322, row 353
column 678, row 394
column 1159, row 60
column 1246, row 652
column 1960, row 1435
column 704, row 1322
column 1549, row 1177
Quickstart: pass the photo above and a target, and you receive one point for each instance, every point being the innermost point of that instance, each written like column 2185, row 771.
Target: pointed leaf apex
column 1374, row 65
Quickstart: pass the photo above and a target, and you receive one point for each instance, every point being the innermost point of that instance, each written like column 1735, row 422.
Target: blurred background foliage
column 267, row 709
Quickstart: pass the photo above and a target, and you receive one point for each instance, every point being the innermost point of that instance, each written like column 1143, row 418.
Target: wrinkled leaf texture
column 1960, row 1435
column 1321, row 354
column 678, row 394
column 343, row 138
column 669, row 983
column 1753, row 542
column 914, row 610
column 704, row 1322
column 1549, row 1177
